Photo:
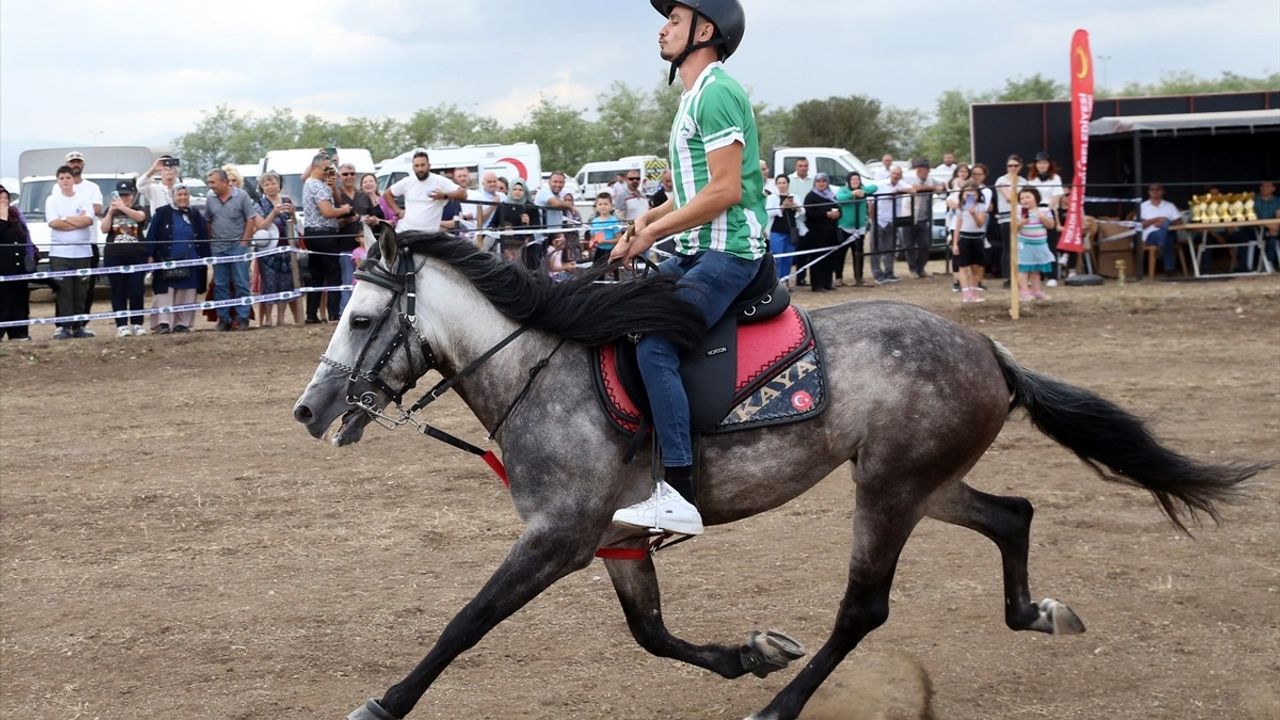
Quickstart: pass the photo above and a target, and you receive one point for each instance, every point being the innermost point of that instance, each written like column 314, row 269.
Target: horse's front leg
column 540, row 557
column 636, row 583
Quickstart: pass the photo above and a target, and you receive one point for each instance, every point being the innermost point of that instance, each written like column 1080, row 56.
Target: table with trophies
column 1216, row 212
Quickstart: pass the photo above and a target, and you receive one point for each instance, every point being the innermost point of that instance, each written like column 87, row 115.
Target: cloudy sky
column 81, row 72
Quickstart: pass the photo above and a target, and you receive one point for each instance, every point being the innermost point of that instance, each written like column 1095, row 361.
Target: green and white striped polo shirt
column 714, row 114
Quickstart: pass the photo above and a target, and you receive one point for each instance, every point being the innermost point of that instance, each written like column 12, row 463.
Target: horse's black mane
column 579, row 309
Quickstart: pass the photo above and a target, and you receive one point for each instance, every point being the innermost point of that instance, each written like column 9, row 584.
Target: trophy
column 1237, row 208
column 1197, row 208
column 1249, row 213
column 1211, row 215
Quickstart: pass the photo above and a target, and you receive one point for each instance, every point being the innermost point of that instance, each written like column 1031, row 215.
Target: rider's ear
column 389, row 246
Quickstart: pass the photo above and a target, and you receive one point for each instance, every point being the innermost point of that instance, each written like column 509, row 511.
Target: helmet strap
column 692, row 47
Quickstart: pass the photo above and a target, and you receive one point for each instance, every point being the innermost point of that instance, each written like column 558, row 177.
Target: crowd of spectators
column 814, row 225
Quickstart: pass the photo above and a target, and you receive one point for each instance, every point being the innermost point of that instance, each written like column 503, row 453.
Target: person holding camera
column 320, row 230
column 275, row 229
column 155, row 187
column 784, row 225
column 123, row 227
column 968, row 244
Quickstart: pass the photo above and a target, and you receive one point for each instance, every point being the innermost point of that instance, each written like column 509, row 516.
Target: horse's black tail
column 1120, row 448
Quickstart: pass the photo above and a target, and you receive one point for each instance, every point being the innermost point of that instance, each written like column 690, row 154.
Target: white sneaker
column 123, row 331
column 139, row 329
column 665, row 510
column 1051, row 283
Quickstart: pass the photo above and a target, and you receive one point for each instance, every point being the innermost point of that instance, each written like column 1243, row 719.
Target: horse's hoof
column 371, row 710
column 764, row 653
column 1061, row 619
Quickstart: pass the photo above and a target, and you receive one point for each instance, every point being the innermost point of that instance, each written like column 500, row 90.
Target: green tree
column 1036, row 87
column 209, row 144
column 773, row 125
column 949, row 131
column 626, row 122
column 1188, row 83
column 855, row 123
column 906, row 132
column 565, row 138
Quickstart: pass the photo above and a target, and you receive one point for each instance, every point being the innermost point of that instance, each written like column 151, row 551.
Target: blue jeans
column 1165, row 238
column 224, row 275
column 780, row 243
column 710, row 281
column 347, row 269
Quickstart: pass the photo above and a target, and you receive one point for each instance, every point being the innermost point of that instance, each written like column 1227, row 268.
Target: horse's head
column 378, row 350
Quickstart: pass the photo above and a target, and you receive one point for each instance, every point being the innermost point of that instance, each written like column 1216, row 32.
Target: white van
column 291, row 164
column 517, row 161
column 597, row 177
column 837, row 163
column 104, row 166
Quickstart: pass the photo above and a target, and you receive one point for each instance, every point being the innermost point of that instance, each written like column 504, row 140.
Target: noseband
column 402, row 282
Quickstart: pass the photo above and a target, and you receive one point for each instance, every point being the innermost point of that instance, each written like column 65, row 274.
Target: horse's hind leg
column 1007, row 522
column 636, row 583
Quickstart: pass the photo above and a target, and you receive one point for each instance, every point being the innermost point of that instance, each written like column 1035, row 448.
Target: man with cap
column 93, row 195
column 919, row 234
column 718, row 216
column 123, row 226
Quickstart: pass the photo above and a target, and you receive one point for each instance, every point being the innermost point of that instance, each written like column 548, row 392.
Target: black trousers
column 324, row 270
column 15, row 304
column 859, row 246
column 918, row 237
column 822, row 238
column 127, row 293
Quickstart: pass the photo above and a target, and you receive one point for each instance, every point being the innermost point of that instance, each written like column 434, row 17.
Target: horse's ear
column 389, row 246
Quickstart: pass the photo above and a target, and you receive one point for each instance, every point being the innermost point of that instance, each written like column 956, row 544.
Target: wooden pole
column 1015, row 211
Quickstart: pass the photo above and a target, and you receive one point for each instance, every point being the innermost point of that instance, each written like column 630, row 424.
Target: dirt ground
column 174, row 545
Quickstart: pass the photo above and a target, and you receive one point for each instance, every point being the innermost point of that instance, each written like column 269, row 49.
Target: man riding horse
column 716, row 213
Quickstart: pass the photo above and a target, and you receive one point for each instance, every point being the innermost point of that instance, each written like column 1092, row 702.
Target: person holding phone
column 1034, row 256
column 123, row 227
column 276, row 222
column 968, row 242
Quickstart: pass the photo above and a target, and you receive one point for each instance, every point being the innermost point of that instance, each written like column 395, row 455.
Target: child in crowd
column 605, row 230
column 968, row 240
column 1034, row 255
column 559, row 265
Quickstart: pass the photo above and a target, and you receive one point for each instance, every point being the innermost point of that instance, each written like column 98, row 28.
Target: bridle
column 361, row 381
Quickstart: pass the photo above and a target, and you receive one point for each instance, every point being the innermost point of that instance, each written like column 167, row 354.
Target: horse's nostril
column 302, row 414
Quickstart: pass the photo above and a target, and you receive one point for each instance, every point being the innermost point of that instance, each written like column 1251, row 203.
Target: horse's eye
column 360, row 322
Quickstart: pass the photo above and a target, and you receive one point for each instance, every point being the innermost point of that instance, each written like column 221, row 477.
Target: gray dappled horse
column 915, row 401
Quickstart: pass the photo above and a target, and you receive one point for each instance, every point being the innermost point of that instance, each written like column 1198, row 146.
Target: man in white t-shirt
column 70, row 215
column 488, row 193
column 552, row 202
column 881, row 171
column 93, row 194
column 801, row 180
column 1158, row 217
column 947, row 170
column 424, row 196
column 884, row 243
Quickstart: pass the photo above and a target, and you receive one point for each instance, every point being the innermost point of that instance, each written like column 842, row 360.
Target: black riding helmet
column 728, row 17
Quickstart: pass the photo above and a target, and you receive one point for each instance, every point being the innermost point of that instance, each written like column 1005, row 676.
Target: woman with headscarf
column 177, row 232
column 821, row 215
column 516, row 213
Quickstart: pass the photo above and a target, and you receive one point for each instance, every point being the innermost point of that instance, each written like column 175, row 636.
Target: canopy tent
column 1183, row 123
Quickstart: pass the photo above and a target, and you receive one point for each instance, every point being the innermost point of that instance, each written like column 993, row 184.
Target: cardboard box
column 1115, row 244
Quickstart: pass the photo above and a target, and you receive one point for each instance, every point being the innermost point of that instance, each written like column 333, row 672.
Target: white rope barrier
column 197, row 306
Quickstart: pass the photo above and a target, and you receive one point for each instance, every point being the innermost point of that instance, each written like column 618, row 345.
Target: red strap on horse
column 498, row 468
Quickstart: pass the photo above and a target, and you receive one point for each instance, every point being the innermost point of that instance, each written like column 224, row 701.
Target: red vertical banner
column 1072, row 239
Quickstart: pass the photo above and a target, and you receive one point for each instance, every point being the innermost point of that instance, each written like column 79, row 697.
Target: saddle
column 760, row 365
